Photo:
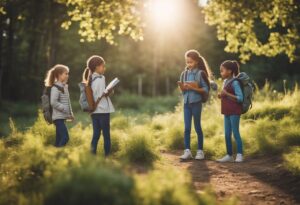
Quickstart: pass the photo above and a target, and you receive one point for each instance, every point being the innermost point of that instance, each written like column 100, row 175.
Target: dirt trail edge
column 259, row 180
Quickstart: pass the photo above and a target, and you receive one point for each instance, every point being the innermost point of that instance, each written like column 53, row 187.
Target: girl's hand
column 224, row 93
column 71, row 118
column 219, row 95
column 108, row 93
column 188, row 86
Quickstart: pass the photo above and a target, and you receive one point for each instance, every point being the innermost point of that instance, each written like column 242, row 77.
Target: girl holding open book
column 194, row 84
column 94, row 76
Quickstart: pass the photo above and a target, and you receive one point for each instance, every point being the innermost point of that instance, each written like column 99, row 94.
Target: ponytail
column 50, row 78
column 53, row 73
column 232, row 65
column 85, row 75
column 237, row 68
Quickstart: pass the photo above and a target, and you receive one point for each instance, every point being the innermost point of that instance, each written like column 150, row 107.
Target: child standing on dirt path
column 231, row 107
column 57, row 78
column 194, row 84
column 94, row 76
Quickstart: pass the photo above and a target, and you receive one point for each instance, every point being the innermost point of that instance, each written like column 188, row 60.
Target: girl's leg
column 196, row 110
column 187, row 125
column 228, row 130
column 235, row 124
column 65, row 135
column 57, row 138
column 105, row 124
column 96, row 132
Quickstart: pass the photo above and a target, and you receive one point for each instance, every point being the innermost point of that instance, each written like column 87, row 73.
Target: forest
column 143, row 43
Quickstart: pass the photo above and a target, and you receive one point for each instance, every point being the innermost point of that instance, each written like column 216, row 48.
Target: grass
column 33, row 171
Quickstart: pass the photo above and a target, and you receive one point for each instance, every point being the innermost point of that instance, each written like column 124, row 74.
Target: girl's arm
column 54, row 101
column 71, row 110
column 238, row 97
column 183, row 89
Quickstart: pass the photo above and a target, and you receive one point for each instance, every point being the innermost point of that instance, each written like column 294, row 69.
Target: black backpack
column 46, row 103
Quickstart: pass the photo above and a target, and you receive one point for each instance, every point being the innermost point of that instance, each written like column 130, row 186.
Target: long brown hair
column 201, row 64
column 53, row 74
column 232, row 65
column 92, row 63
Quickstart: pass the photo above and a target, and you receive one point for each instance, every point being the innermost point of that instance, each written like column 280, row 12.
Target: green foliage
column 104, row 19
column 139, row 147
column 292, row 160
column 158, row 188
column 241, row 23
column 92, row 183
column 133, row 102
column 33, row 171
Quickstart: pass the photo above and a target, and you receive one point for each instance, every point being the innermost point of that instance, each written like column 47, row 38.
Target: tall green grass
column 33, row 171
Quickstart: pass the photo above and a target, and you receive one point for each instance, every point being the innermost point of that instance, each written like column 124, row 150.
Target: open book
column 111, row 85
column 192, row 83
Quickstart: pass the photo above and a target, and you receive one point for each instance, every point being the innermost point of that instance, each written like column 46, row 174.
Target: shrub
column 292, row 160
column 91, row 184
column 139, row 148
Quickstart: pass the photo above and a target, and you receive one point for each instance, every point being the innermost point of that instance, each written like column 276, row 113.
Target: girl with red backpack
column 231, row 107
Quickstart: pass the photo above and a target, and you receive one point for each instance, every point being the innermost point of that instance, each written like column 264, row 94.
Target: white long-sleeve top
column 98, row 86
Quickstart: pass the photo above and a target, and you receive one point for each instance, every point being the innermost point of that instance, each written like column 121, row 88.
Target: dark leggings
column 101, row 122
column 62, row 135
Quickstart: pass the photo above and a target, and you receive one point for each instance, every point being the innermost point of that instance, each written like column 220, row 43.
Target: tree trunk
column 10, row 47
column 1, row 55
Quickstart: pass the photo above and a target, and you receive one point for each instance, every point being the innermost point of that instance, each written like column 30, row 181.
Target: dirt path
column 256, row 181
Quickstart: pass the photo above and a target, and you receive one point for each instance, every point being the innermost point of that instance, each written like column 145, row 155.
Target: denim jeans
column 231, row 124
column 192, row 110
column 62, row 135
column 101, row 122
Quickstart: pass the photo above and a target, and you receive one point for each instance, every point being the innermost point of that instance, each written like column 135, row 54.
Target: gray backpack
column 248, row 89
column 83, row 100
column 46, row 103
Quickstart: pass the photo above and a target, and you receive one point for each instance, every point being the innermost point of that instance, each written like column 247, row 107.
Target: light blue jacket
column 236, row 87
column 191, row 96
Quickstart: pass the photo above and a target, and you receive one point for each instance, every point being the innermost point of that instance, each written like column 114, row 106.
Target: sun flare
column 164, row 12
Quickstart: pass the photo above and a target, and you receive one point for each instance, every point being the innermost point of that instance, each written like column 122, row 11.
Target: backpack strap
column 93, row 79
column 184, row 76
column 61, row 89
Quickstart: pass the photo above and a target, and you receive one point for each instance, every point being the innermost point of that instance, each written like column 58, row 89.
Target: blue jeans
column 231, row 124
column 101, row 122
column 62, row 135
column 192, row 110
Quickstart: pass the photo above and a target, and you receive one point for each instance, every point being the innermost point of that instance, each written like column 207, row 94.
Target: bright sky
column 168, row 12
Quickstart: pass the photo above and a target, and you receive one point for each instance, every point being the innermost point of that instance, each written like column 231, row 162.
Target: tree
column 243, row 25
column 105, row 18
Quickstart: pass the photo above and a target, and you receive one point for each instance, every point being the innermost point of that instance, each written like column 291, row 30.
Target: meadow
column 33, row 171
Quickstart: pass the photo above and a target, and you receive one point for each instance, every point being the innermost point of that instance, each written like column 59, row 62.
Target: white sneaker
column 239, row 158
column 199, row 155
column 227, row 158
column 186, row 155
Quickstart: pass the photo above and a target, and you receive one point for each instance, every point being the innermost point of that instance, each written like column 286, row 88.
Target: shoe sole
column 189, row 159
